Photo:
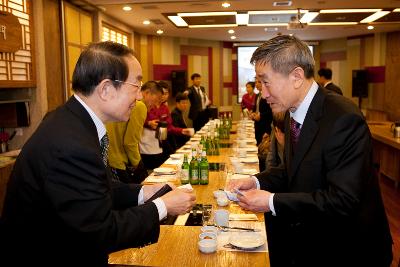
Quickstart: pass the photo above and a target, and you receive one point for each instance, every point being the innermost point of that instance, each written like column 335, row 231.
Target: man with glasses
column 61, row 206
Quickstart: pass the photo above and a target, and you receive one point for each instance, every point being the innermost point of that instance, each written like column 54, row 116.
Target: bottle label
column 185, row 176
column 204, row 175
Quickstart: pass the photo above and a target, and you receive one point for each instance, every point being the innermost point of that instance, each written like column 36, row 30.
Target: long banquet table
column 177, row 245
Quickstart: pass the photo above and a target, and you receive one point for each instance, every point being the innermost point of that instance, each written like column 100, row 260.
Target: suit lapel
column 308, row 133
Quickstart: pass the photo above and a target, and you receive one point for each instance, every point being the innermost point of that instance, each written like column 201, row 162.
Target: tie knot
column 104, row 144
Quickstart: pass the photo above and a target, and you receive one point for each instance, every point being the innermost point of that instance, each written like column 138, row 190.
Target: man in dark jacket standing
column 61, row 206
column 325, row 202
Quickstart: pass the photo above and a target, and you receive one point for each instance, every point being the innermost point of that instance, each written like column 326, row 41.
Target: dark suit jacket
column 328, row 202
column 333, row 87
column 264, row 124
column 195, row 102
column 60, row 205
column 177, row 121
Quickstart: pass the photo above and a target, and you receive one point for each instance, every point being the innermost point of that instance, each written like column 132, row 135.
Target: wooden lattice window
column 113, row 34
column 16, row 69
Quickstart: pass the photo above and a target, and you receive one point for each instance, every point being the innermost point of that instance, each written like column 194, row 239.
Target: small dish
column 207, row 245
column 218, row 193
column 164, row 170
column 223, row 201
column 208, row 236
column 176, row 156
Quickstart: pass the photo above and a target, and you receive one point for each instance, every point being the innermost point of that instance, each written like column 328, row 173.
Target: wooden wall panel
column 392, row 86
column 52, row 36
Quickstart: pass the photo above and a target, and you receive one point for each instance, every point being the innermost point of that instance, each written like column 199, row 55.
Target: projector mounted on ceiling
column 295, row 23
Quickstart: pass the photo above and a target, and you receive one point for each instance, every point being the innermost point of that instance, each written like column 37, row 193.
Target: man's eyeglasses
column 139, row 86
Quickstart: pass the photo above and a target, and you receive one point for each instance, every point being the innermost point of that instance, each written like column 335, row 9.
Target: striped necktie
column 104, row 144
column 295, row 129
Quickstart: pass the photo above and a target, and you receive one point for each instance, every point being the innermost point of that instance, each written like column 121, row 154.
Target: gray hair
column 284, row 53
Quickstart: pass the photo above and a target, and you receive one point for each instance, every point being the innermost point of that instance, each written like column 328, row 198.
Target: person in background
column 61, row 206
column 275, row 153
column 327, row 196
column 199, row 102
column 249, row 98
column 325, row 80
column 124, row 156
column 261, row 115
column 174, row 133
column 182, row 103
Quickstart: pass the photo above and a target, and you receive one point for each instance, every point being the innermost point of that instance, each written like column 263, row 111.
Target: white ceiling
column 152, row 10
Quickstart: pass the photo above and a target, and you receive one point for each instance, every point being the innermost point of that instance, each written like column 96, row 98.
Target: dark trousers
column 152, row 161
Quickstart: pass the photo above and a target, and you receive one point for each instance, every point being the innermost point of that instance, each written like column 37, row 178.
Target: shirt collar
column 328, row 82
column 300, row 114
column 101, row 129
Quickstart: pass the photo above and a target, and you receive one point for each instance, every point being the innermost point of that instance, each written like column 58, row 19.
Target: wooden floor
column 391, row 199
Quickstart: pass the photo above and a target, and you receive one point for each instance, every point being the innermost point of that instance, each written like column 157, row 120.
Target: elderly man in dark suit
column 61, row 207
column 325, row 80
column 325, row 203
column 199, row 102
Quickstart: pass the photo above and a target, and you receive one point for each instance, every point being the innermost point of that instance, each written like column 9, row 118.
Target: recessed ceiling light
column 225, row 4
column 231, row 31
column 178, row 21
column 146, row 22
column 370, row 27
column 160, row 31
column 233, row 37
column 127, row 8
column 375, row 16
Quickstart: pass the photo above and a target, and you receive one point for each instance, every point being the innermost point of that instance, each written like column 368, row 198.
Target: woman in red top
column 249, row 99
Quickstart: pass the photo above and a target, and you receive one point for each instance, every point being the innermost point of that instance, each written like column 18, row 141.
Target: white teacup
column 191, row 131
column 221, row 217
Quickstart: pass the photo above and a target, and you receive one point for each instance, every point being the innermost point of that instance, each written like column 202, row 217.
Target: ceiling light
column 349, row 10
column 375, row 16
column 242, row 19
column 205, row 14
column 231, row 31
column 146, row 22
column 225, row 4
column 308, row 17
column 233, row 37
column 126, row 8
column 178, row 21
column 396, row 10
column 370, row 27
column 273, row 29
column 160, row 31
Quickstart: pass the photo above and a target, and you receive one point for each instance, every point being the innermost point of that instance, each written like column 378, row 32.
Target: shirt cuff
column 256, row 181
column 140, row 200
column 271, row 204
column 162, row 209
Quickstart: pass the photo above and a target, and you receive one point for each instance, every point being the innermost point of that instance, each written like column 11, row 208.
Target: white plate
column 176, row 156
column 249, row 160
column 251, row 140
column 164, row 170
column 247, row 240
column 195, row 138
column 250, row 171
column 251, row 149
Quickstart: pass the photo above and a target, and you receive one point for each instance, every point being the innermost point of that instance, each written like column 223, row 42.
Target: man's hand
column 153, row 124
column 179, row 201
column 187, row 131
column 241, row 184
column 255, row 200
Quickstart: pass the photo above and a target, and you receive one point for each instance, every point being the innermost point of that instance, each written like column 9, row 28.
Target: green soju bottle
column 194, row 169
column 185, row 170
column 203, row 168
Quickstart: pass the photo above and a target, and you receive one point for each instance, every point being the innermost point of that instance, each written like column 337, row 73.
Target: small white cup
column 191, row 130
column 242, row 143
column 242, row 153
column 222, row 217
